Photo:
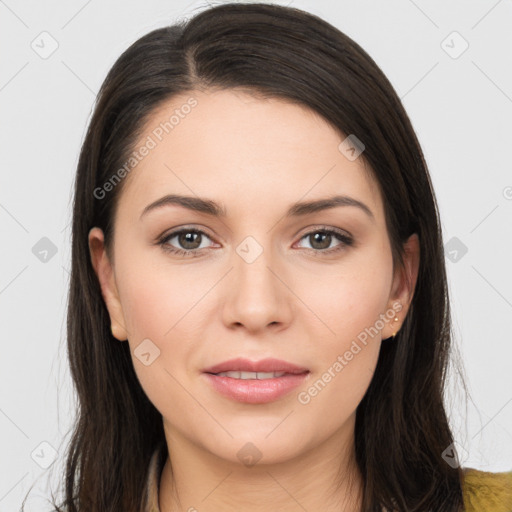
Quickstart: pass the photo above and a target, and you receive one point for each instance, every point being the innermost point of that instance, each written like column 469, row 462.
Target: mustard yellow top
column 483, row 491
column 487, row 492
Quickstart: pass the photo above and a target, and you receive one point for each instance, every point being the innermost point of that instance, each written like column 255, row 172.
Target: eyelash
column 346, row 240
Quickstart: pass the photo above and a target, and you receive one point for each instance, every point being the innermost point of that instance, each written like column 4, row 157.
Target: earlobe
column 105, row 274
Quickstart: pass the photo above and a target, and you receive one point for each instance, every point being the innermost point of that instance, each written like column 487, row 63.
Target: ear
column 105, row 273
column 404, row 284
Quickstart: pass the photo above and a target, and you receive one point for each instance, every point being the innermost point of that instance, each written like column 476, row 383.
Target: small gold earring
column 394, row 334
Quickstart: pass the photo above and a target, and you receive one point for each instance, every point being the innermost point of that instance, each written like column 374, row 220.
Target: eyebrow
column 210, row 207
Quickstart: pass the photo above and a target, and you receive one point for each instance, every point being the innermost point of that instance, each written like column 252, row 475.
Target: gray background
column 460, row 105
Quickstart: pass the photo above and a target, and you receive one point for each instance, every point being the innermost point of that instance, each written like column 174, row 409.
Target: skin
column 256, row 157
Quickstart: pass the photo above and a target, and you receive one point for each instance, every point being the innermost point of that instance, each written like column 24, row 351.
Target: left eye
column 323, row 238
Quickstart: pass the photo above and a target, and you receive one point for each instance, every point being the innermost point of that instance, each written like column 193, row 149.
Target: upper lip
column 264, row 365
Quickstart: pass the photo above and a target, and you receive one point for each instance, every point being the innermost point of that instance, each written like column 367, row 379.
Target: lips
column 263, row 366
column 255, row 382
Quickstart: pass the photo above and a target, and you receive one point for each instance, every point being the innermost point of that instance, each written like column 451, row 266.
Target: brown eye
column 189, row 239
column 188, row 242
column 320, row 240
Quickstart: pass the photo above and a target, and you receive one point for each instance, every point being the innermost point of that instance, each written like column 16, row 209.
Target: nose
column 257, row 293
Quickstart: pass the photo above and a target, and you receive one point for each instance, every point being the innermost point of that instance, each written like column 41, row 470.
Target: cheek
column 349, row 304
column 157, row 306
column 345, row 361
column 158, row 298
column 164, row 304
column 333, row 395
column 348, row 299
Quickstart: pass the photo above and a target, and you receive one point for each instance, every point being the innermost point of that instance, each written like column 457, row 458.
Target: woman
column 258, row 314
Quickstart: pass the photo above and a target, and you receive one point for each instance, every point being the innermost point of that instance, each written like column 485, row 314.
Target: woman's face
column 258, row 282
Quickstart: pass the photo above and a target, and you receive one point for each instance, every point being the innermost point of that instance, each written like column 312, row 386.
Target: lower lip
column 255, row 391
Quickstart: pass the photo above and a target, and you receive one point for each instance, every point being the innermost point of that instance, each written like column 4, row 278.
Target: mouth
column 255, row 382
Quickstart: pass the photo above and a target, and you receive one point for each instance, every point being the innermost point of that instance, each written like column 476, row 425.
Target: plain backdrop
column 450, row 63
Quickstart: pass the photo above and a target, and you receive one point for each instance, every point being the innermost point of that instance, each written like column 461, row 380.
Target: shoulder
column 487, row 492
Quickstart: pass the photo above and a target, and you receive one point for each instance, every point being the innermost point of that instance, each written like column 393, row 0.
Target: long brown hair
column 277, row 52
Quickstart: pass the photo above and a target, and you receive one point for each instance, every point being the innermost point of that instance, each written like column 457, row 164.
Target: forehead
column 240, row 148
